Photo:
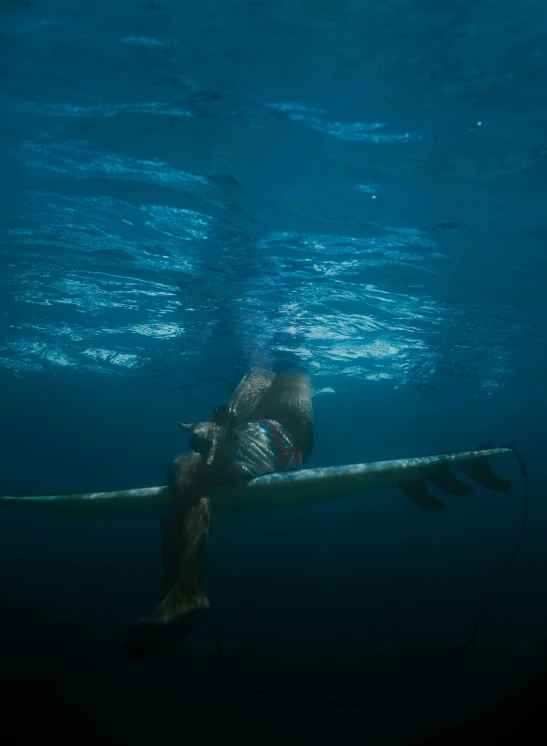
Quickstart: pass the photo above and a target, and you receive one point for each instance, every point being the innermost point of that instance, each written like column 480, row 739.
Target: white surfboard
column 307, row 485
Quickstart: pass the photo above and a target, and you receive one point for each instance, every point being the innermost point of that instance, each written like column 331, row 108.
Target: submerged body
column 267, row 427
column 250, row 456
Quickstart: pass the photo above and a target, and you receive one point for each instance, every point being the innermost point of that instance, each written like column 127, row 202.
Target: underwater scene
column 273, row 320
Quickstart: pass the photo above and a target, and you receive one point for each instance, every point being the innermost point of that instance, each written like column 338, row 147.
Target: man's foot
column 167, row 624
column 147, row 638
column 177, row 605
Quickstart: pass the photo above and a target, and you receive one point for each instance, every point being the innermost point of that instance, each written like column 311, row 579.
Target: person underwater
column 252, row 453
column 266, row 427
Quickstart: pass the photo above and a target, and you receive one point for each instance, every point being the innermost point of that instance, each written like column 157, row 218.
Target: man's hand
column 207, row 436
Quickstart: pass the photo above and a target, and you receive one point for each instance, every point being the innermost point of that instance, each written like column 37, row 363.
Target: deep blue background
column 354, row 189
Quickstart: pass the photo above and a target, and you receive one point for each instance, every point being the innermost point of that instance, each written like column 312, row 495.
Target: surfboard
column 411, row 475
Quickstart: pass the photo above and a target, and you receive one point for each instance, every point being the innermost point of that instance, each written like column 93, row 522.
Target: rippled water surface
column 354, row 187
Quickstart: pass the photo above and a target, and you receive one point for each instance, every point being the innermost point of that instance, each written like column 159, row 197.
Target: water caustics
column 169, row 210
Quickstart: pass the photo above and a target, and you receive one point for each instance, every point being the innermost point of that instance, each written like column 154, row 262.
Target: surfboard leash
column 456, row 650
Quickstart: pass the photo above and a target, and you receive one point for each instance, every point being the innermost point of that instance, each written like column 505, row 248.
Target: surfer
column 266, row 427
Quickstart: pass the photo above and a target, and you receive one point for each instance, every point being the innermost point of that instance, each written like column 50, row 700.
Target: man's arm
column 207, row 436
column 250, row 392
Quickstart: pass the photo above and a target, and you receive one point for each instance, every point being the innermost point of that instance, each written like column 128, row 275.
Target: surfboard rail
column 306, row 485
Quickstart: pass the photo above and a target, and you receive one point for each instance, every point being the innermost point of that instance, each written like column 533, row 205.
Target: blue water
column 353, row 189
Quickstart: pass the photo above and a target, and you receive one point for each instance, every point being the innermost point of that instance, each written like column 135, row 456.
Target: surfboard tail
column 413, row 476
column 441, row 476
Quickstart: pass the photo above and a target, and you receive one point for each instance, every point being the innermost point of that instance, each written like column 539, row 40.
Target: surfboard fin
column 481, row 472
column 417, row 492
column 440, row 475
column 443, row 478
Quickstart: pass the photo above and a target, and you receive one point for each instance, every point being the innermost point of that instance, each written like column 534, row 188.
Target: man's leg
column 184, row 534
column 185, row 530
column 251, row 390
column 185, row 526
column 288, row 401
